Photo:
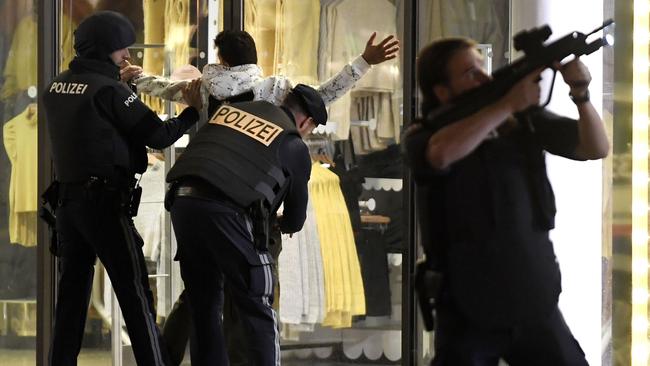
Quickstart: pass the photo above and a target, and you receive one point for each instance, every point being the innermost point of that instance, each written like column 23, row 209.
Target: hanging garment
column 260, row 21
column 150, row 223
column 151, row 210
column 343, row 284
column 481, row 20
column 300, row 268
column 297, row 41
column 349, row 24
column 21, row 68
column 20, row 137
column 154, row 33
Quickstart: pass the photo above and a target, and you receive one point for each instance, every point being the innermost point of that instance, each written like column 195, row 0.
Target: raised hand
column 384, row 51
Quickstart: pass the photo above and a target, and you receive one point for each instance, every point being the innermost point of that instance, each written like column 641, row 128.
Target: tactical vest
column 214, row 103
column 84, row 143
column 237, row 152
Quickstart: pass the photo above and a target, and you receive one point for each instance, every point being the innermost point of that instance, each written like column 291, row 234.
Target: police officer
column 99, row 131
column 246, row 161
column 489, row 208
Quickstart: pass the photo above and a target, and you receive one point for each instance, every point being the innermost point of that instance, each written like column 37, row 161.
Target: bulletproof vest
column 237, row 152
column 84, row 143
column 214, row 103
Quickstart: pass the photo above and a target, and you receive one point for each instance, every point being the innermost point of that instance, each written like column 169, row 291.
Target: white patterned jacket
column 223, row 82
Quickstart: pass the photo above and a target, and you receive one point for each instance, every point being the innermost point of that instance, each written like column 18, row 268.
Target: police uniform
column 489, row 217
column 99, row 131
column 247, row 155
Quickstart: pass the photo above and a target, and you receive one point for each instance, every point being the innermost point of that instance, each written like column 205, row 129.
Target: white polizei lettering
column 68, row 88
column 130, row 99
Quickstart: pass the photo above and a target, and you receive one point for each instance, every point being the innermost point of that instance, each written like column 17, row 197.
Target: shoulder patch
column 130, row 99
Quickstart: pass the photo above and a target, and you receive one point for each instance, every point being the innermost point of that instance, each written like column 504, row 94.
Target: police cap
column 102, row 33
column 312, row 102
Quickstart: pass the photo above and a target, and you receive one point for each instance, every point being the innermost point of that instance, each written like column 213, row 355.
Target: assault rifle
column 536, row 55
column 429, row 280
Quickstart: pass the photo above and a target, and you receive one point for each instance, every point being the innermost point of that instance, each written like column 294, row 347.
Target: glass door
column 18, row 181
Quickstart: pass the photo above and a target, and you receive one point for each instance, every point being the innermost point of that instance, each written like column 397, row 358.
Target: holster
column 50, row 200
column 135, row 194
column 428, row 285
column 170, row 195
column 259, row 215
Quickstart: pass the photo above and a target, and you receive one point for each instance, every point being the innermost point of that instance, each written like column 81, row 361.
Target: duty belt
column 198, row 188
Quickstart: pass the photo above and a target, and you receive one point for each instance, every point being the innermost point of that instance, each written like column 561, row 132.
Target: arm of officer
column 592, row 138
column 134, row 119
column 457, row 140
column 341, row 83
column 295, row 158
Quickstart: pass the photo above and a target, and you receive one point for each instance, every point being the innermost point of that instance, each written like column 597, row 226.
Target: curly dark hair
column 236, row 47
column 432, row 67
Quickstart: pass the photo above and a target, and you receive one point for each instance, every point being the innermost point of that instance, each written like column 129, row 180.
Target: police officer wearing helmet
column 247, row 160
column 99, row 131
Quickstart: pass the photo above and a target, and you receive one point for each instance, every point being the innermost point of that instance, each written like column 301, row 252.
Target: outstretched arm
column 156, row 86
column 341, row 83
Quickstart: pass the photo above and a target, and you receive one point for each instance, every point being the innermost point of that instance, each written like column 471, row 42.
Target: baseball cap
column 312, row 102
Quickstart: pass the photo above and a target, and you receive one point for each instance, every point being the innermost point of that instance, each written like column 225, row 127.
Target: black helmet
column 102, row 33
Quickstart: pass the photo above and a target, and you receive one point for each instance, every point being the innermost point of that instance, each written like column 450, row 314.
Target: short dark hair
column 432, row 67
column 236, row 47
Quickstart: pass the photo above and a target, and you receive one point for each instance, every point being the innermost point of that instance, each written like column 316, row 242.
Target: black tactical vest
column 237, row 152
column 84, row 143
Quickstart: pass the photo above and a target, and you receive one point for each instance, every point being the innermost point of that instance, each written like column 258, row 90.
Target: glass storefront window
column 18, row 172
column 352, row 309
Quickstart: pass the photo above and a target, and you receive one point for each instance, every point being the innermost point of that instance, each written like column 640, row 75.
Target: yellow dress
column 344, row 294
column 21, row 141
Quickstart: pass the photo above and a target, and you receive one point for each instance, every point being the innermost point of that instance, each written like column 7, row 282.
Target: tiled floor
column 28, row 357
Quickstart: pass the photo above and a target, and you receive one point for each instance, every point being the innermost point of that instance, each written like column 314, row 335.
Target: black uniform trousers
column 91, row 225
column 179, row 321
column 215, row 247
column 541, row 343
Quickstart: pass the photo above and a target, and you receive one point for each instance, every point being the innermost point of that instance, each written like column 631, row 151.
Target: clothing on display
column 484, row 21
column 300, row 267
column 150, row 223
column 319, row 264
column 345, row 26
column 343, row 283
column 20, row 137
column 20, row 68
column 167, row 22
column 289, row 41
column 374, row 270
